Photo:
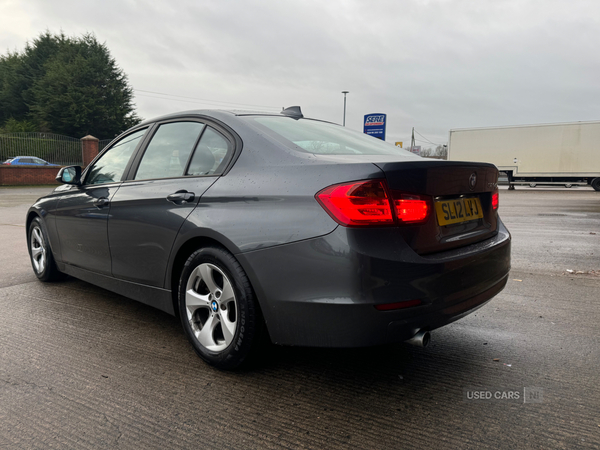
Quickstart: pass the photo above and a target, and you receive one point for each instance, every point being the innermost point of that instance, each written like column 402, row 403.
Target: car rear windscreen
column 323, row 138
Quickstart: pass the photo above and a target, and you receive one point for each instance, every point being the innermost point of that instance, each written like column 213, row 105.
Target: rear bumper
column 322, row 292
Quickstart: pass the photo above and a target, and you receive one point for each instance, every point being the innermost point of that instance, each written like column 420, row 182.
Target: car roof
column 222, row 114
column 208, row 112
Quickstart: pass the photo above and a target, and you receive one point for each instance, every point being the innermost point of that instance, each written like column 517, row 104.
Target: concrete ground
column 83, row 368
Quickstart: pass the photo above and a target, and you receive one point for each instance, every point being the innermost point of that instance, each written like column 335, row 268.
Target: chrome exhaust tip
column 421, row 339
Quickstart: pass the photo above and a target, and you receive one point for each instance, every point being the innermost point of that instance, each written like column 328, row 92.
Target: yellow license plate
column 458, row 210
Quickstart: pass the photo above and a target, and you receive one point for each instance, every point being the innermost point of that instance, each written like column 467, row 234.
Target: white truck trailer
column 565, row 154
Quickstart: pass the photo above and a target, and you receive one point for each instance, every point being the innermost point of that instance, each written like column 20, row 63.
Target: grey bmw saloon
column 255, row 227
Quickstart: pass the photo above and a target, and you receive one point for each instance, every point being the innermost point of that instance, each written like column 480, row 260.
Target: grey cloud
column 434, row 65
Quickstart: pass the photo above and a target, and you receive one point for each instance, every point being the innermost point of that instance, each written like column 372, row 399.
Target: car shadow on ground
column 394, row 364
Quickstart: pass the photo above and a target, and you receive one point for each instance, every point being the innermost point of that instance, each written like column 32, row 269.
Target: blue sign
column 375, row 125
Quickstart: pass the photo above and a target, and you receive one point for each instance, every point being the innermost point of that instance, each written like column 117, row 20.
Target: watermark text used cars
column 524, row 395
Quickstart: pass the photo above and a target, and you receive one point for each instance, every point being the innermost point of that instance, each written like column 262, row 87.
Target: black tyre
column 40, row 254
column 218, row 308
column 596, row 184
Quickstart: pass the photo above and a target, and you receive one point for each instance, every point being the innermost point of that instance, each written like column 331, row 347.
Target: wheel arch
column 31, row 214
column 51, row 272
column 182, row 252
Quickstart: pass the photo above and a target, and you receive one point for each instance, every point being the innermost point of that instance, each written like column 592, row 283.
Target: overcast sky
column 431, row 64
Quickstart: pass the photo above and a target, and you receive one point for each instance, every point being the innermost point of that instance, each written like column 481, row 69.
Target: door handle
column 181, row 197
column 100, row 202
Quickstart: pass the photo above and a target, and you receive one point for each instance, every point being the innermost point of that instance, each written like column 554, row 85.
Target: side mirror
column 69, row 175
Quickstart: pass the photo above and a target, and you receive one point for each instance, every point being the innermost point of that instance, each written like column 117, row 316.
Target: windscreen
column 324, row 138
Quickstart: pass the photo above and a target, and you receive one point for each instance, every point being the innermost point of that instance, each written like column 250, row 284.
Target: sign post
column 375, row 125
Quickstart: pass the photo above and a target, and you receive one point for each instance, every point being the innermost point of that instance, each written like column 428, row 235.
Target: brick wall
column 19, row 176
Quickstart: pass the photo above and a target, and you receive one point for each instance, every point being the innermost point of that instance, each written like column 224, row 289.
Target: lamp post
column 345, row 92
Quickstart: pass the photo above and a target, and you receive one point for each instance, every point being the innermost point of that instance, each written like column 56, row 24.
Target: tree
column 12, row 86
column 426, row 153
column 441, row 152
column 18, row 126
column 69, row 86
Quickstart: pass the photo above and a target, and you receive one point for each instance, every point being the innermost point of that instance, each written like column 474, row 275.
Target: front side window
column 169, row 150
column 111, row 165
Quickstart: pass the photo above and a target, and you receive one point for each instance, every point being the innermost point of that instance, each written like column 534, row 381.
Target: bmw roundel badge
column 472, row 181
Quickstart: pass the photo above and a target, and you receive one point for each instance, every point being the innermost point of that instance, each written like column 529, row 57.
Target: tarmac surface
column 83, row 368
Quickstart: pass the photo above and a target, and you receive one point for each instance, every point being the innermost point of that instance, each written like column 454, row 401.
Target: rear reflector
column 495, row 200
column 399, row 305
column 359, row 203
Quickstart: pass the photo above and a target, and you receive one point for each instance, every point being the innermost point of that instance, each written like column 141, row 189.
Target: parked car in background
column 27, row 161
column 254, row 226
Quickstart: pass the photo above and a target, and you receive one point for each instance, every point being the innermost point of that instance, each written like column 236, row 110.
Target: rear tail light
column 495, row 200
column 367, row 203
column 357, row 204
column 411, row 208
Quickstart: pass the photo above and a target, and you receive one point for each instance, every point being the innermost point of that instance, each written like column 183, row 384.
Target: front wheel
column 218, row 308
column 40, row 254
column 596, row 184
column 568, row 185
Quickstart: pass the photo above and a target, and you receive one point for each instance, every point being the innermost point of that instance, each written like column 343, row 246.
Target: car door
column 82, row 212
column 181, row 161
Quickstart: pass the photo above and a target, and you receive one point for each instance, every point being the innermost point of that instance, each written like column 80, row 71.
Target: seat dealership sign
column 375, row 125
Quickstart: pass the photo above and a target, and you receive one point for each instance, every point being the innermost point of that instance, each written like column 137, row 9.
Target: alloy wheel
column 211, row 307
column 38, row 250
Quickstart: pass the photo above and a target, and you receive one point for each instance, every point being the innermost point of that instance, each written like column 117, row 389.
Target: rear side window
column 169, row 150
column 111, row 165
column 211, row 154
